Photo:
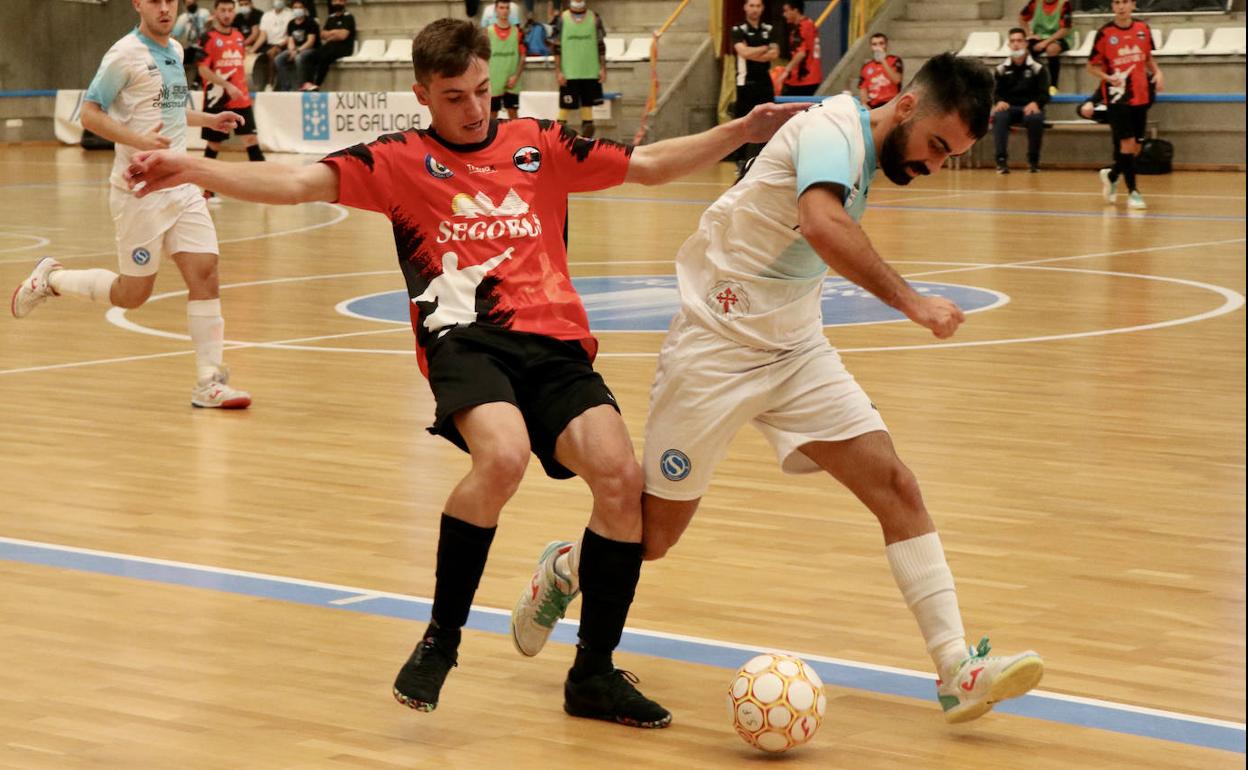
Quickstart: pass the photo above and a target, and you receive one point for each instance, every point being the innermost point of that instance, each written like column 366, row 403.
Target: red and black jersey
column 875, row 80
column 804, row 36
column 224, row 54
column 479, row 228
column 1124, row 51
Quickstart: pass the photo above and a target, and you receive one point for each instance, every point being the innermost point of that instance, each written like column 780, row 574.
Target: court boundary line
column 1219, row 734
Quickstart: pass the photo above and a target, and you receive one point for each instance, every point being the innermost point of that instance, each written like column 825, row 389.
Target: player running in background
column 748, row 346
column 139, row 100
column 1122, row 59
column 224, row 75
column 477, row 208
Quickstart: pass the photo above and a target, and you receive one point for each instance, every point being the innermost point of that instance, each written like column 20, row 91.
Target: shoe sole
column 230, row 403
column 619, row 720
column 414, row 704
column 1015, row 680
column 511, row 622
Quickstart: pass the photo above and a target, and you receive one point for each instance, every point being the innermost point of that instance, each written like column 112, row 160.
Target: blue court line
column 1178, row 728
column 949, row 209
column 20, row 93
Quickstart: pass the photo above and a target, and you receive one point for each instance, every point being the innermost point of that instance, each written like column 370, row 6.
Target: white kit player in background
column 139, row 100
column 748, row 347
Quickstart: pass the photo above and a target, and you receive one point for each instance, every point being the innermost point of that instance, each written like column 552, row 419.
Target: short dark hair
column 222, row 2
column 446, row 47
column 952, row 83
column 797, row 5
column 1019, row 30
column 879, row 35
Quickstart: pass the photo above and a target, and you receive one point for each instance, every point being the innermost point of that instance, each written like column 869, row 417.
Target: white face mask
column 244, row 8
column 279, row 5
column 877, row 54
column 1021, row 53
column 299, row 13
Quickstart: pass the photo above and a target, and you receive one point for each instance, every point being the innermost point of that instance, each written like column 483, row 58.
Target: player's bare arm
column 275, row 183
column 221, row 122
column 669, row 159
column 99, row 123
column 842, row 244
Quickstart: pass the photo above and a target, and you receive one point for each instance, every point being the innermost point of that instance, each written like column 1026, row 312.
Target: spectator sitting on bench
column 1047, row 26
column 1022, row 90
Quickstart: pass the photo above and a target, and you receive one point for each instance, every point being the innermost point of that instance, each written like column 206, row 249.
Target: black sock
column 1127, row 162
column 587, row 129
column 609, row 571
column 254, row 153
column 210, row 153
column 462, row 550
column 1055, row 69
column 1113, row 170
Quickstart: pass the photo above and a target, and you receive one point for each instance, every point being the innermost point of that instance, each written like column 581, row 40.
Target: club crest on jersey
column 727, row 298
column 141, row 256
column 1113, row 40
column 436, row 169
column 220, row 43
column 527, row 159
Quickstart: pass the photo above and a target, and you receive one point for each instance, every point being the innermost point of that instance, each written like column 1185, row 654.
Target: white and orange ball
column 777, row 702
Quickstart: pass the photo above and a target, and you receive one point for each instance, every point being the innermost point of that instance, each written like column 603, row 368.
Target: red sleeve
column 364, row 173
column 1098, row 55
column 209, row 59
column 578, row 164
column 1148, row 38
column 808, row 37
column 1029, row 11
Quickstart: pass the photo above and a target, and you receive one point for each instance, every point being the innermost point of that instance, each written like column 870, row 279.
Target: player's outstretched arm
column 275, row 183
column 672, row 158
column 841, row 243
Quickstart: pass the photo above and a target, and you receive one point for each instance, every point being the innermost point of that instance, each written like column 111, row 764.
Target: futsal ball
column 777, row 702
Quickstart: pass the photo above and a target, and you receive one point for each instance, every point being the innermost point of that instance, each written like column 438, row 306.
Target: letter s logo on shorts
column 141, row 256
column 675, row 465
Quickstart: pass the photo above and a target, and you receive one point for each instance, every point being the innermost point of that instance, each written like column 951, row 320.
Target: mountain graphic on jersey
column 468, row 207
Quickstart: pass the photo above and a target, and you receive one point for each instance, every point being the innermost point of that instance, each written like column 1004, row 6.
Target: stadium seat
column 370, row 50
column 615, row 48
column 981, row 44
column 1156, row 38
column 399, row 50
column 1084, row 47
column 638, row 50
column 1182, row 42
column 1225, row 41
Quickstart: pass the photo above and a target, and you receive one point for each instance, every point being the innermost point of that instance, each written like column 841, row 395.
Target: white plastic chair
column 1083, row 46
column 1225, row 41
column 399, row 50
column 1182, row 42
column 1156, row 38
column 981, row 44
column 615, row 47
column 370, row 50
column 638, row 50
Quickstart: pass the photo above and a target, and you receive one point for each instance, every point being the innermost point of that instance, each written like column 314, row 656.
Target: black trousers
column 1001, row 122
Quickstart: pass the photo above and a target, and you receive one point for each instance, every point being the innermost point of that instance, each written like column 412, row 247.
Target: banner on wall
column 319, row 123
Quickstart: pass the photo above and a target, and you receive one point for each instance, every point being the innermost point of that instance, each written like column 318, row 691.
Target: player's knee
column 503, row 466
column 619, row 481
column 131, row 293
column 905, row 487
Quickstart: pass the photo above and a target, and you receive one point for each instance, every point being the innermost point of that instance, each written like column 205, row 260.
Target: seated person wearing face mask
column 271, row 42
column 337, row 40
column 1022, row 90
column 247, row 21
column 188, row 28
column 295, row 64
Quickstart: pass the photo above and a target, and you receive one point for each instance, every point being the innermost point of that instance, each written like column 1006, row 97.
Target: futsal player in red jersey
column 225, row 81
column 1122, row 58
column 478, row 209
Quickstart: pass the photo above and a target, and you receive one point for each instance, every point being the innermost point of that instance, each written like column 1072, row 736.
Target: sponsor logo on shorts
column 141, row 256
column 675, row 465
column 528, row 159
column 436, row 169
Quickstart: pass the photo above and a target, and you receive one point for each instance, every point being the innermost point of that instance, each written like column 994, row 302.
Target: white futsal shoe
column 214, row 392
column 35, row 290
column 545, row 600
column 1109, row 187
column 981, row 681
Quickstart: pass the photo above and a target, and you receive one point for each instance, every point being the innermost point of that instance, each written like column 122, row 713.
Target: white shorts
column 165, row 222
column 708, row 386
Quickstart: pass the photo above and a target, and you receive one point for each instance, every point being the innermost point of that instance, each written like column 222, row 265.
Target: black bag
column 1156, row 156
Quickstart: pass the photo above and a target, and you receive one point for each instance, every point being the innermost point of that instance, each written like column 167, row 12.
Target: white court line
column 38, row 241
column 963, row 190
column 364, row 594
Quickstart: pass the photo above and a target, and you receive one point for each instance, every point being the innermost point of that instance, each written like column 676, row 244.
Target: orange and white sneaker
column 35, row 290
column 214, row 392
column 981, row 681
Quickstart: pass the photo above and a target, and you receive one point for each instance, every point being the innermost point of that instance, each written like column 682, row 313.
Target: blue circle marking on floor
column 646, row 303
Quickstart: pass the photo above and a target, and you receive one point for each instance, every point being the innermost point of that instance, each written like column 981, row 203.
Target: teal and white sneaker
column 981, row 681
column 1136, row 201
column 1109, row 187
column 545, row 601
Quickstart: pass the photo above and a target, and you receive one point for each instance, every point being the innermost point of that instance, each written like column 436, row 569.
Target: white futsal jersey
column 140, row 84
column 747, row 272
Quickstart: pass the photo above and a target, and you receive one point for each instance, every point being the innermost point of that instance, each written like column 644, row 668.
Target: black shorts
column 1063, row 43
column 248, row 127
column 550, row 381
column 506, row 101
column 1128, row 122
column 750, row 96
column 580, row 93
column 808, row 90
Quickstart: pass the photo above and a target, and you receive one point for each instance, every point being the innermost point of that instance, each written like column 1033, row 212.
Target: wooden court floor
column 185, row 588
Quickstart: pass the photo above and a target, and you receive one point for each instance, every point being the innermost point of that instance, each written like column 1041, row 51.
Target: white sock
column 94, row 284
column 207, row 327
column 923, row 575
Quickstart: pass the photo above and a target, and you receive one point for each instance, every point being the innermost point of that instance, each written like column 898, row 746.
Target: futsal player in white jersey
column 139, row 100
column 748, row 347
